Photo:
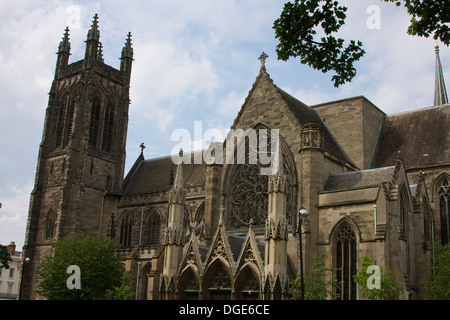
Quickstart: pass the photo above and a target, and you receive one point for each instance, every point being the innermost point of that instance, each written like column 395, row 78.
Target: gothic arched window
column 345, row 258
column 219, row 286
column 248, row 288
column 108, row 127
column 191, row 286
column 50, row 225
column 94, row 123
column 444, row 210
column 153, row 228
column 125, row 230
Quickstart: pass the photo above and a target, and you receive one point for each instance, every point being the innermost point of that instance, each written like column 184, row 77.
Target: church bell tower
column 82, row 152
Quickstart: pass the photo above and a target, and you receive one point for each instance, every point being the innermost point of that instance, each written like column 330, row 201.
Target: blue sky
column 194, row 61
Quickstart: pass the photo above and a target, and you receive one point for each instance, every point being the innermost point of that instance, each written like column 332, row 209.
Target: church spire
column 440, row 92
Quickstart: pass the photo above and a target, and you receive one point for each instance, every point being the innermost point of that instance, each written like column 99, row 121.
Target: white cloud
column 14, row 213
column 194, row 60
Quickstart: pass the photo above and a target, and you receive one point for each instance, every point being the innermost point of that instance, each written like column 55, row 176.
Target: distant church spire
column 440, row 92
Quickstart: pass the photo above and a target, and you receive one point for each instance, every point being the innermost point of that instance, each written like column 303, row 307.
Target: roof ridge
column 419, row 110
column 363, row 170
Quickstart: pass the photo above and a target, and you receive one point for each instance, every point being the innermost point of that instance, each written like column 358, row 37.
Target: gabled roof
column 155, row 175
column 359, row 179
column 302, row 113
column 422, row 136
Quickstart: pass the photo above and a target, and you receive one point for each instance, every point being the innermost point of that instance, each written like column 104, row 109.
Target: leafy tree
column 123, row 292
column 315, row 287
column 100, row 268
column 301, row 21
column 389, row 288
column 437, row 287
column 5, row 257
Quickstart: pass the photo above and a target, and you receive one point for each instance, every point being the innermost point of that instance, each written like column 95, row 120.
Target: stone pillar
column 311, row 182
column 276, row 282
column 174, row 236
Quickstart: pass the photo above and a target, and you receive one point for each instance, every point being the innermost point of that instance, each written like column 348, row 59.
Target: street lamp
column 302, row 213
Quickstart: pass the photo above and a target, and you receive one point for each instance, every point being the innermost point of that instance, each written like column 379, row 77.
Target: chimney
column 11, row 248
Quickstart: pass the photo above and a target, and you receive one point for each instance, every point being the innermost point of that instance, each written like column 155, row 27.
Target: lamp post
column 302, row 213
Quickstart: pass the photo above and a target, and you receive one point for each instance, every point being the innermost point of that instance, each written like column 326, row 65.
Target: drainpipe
column 137, row 279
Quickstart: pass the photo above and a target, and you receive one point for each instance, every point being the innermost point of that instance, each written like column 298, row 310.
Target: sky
column 195, row 62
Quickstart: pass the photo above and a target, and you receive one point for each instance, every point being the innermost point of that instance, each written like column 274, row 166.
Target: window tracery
column 248, row 198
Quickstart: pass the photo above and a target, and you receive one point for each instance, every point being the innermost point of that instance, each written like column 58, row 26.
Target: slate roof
column 153, row 175
column 359, row 179
column 422, row 136
column 303, row 113
column 306, row 114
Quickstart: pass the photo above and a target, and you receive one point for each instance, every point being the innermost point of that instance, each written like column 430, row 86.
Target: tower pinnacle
column 94, row 33
column 64, row 45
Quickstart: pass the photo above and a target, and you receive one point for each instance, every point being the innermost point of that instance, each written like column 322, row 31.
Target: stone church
column 368, row 183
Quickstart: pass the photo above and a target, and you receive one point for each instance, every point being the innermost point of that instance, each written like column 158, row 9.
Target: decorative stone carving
column 312, row 136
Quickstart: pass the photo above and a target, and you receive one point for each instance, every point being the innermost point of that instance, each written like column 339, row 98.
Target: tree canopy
column 5, row 257
column 301, row 21
column 100, row 268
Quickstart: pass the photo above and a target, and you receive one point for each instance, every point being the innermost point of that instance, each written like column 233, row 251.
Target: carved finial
column 142, row 147
column 263, row 58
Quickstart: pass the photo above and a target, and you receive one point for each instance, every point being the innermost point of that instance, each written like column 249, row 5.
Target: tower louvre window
column 61, row 115
column 108, row 127
column 69, row 123
column 95, row 121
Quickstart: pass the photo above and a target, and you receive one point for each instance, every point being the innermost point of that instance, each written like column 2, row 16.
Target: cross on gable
column 263, row 58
